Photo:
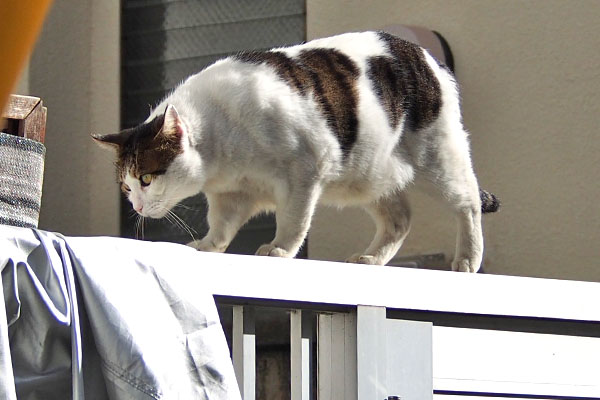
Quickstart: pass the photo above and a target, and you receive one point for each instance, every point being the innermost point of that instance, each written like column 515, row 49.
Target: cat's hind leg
column 391, row 215
column 454, row 181
column 466, row 204
column 227, row 212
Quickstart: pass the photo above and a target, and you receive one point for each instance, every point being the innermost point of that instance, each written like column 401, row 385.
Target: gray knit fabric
column 21, row 176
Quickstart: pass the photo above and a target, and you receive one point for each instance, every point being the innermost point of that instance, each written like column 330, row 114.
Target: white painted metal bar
column 350, row 356
column 371, row 351
column 308, row 340
column 393, row 287
column 244, row 350
column 339, row 355
column 486, row 361
column 325, row 341
column 366, row 353
column 409, row 359
column 336, row 357
column 300, row 357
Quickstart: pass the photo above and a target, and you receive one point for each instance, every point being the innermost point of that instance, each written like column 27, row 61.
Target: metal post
column 336, row 356
column 300, row 356
column 371, row 352
column 244, row 350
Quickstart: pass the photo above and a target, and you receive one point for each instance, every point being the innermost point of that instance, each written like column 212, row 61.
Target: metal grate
column 164, row 42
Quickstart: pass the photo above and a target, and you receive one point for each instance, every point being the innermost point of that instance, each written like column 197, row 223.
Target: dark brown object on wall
column 25, row 116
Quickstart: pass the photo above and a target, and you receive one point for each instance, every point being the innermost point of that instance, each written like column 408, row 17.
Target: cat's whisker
column 192, row 232
column 183, row 206
column 177, row 205
column 137, row 228
column 174, row 222
column 178, row 221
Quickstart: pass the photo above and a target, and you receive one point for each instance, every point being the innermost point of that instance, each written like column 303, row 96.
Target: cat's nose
column 138, row 208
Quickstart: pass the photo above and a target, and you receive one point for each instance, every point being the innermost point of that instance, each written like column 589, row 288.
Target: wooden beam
column 25, row 117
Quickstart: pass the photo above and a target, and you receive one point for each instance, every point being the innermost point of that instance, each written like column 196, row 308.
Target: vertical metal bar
column 350, row 358
column 308, row 337
column 336, row 357
column 237, row 334
column 371, row 352
column 296, row 354
column 324, row 357
column 300, row 356
column 410, row 359
column 244, row 350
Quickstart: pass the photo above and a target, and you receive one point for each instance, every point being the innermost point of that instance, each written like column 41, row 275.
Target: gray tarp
column 106, row 318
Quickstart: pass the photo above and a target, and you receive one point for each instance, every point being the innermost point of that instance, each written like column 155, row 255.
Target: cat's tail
column 489, row 202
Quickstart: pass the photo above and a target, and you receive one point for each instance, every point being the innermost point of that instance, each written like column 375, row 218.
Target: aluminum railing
column 368, row 333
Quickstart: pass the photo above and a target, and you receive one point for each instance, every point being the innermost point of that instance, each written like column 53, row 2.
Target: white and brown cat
column 353, row 119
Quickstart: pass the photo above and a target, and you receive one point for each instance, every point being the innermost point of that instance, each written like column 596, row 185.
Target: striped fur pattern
column 351, row 120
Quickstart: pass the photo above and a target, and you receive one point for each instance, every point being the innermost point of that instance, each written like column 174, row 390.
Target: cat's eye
column 146, row 179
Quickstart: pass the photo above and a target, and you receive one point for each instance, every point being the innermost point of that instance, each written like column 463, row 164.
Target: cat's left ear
column 112, row 141
column 173, row 126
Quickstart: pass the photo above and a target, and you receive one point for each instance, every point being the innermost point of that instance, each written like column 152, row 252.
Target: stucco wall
column 75, row 70
column 530, row 78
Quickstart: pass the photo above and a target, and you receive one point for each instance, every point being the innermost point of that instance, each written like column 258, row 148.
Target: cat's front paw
column 273, row 251
column 464, row 265
column 363, row 259
column 206, row 245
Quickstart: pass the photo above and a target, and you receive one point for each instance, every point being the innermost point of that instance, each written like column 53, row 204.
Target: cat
column 350, row 120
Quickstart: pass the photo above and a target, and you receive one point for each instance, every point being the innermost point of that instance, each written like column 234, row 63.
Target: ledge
column 341, row 284
column 398, row 288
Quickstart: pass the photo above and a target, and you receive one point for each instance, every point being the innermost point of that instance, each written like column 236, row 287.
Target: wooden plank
column 19, row 107
column 34, row 126
column 515, row 363
column 26, row 117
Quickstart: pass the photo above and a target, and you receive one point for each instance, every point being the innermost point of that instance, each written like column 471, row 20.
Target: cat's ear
column 111, row 141
column 172, row 124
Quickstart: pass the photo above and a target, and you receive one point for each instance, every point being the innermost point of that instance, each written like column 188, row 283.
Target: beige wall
column 530, row 78
column 529, row 72
column 75, row 70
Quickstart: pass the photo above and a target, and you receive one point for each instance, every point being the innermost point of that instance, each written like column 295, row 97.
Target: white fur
column 252, row 143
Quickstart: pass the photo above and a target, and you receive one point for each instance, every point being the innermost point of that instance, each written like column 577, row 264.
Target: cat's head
column 152, row 166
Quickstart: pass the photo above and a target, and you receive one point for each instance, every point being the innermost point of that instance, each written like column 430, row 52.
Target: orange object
column 21, row 22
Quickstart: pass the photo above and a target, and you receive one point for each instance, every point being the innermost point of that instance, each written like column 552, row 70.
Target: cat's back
column 344, row 101
column 357, row 45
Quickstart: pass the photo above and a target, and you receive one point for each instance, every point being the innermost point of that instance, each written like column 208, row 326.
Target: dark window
column 165, row 41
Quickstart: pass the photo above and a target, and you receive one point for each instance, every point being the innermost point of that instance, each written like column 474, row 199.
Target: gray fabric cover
column 21, row 176
column 106, row 318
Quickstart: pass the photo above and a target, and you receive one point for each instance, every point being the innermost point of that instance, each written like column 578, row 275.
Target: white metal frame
column 418, row 334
